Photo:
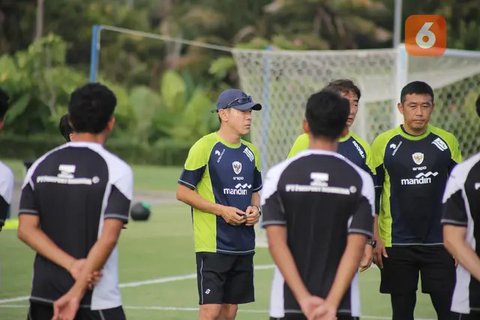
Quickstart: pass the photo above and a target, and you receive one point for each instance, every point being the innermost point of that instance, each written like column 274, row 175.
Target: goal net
column 283, row 80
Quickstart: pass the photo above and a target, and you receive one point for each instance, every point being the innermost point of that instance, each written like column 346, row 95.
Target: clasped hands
column 316, row 308
column 235, row 216
column 76, row 268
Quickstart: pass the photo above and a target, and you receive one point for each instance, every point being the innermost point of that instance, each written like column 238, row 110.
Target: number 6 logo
column 425, row 35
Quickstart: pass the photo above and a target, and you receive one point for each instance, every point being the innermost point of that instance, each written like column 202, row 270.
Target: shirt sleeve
column 272, row 208
column 195, row 165
column 257, row 178
column 455, row 149
column 4, row 207
column 453, row 209
column 362, row 218
column 121, row 192
column 118, row 205
column 6, row 191
column 377, row 165
column 300, row 144
column 28, row 205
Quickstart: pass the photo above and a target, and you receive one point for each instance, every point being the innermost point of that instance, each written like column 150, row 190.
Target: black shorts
column 40, row 311
column 224, row 278
column 474, row 315
column 404, row 263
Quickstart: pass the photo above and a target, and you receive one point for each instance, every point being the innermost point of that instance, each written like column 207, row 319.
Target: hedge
column 164, row 152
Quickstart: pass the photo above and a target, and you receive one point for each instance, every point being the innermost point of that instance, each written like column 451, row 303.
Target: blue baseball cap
column 236, row 98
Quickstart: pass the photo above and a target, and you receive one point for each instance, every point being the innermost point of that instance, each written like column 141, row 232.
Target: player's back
column 70, row 189
column 319, row 193
column 69, row 185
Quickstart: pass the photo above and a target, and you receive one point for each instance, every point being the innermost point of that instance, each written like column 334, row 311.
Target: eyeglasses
column 238, row 102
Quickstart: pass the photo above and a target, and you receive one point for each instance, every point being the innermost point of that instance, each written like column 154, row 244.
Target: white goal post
column 283, row 80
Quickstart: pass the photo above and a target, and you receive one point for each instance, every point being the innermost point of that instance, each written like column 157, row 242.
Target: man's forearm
column 98, row 254
column 468, row 259
column 284, row 260
column 193, row 199
column 31, row 234
column 376, row 232
column 454, row 240
column 347, row 268
column 256, row 199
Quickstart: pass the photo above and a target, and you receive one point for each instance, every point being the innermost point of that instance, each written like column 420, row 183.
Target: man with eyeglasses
column 221, row 181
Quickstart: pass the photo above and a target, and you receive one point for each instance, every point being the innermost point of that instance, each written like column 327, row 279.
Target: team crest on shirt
column 477, row 185
column 237, row 167
column 418, row 157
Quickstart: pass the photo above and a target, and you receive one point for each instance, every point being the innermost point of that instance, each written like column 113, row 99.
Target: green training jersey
column 351, row 147
column 227, row 174
column 411, row 174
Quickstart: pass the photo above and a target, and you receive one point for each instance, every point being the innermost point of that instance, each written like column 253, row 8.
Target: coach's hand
column 253, row 215
column 367, row 258
column 233, row 216
column 379, row 253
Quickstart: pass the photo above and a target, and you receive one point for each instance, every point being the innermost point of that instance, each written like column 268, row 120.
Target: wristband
column 372, row 243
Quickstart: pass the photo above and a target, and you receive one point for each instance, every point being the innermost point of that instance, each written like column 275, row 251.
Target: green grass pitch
column 157, row 264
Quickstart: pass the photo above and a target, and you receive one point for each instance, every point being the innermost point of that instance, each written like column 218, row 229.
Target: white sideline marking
column 187, row 309
column 160, row 308
column 157, row 280
column 176, row 278
column 144, row 282
column 195, row 309
column 25, row 298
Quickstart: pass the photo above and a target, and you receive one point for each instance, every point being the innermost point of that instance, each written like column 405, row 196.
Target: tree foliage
column 164, row 88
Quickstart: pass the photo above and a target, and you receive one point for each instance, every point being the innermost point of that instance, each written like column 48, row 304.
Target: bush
column 165, row 152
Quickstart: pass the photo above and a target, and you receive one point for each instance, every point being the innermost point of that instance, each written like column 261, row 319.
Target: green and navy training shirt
column 411, row 174
column 351, row 147
column 227, row 174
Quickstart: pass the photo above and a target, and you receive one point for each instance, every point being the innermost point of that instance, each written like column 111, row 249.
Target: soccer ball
column 140, row 211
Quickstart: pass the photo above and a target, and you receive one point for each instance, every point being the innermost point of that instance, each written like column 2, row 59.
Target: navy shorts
column 224, row 278
column 404, row 264
column 40, row 311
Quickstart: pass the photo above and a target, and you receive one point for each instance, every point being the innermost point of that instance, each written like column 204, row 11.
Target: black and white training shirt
column 461, row 207
column 320, row 197
column 6, row 191
column 73, row 189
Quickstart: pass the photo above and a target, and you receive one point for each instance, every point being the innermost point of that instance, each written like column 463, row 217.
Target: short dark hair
column 91, row 107
column 3, row 103
column 344, row 86
column 64, row 127
column 327, row 114
column 416, row 87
